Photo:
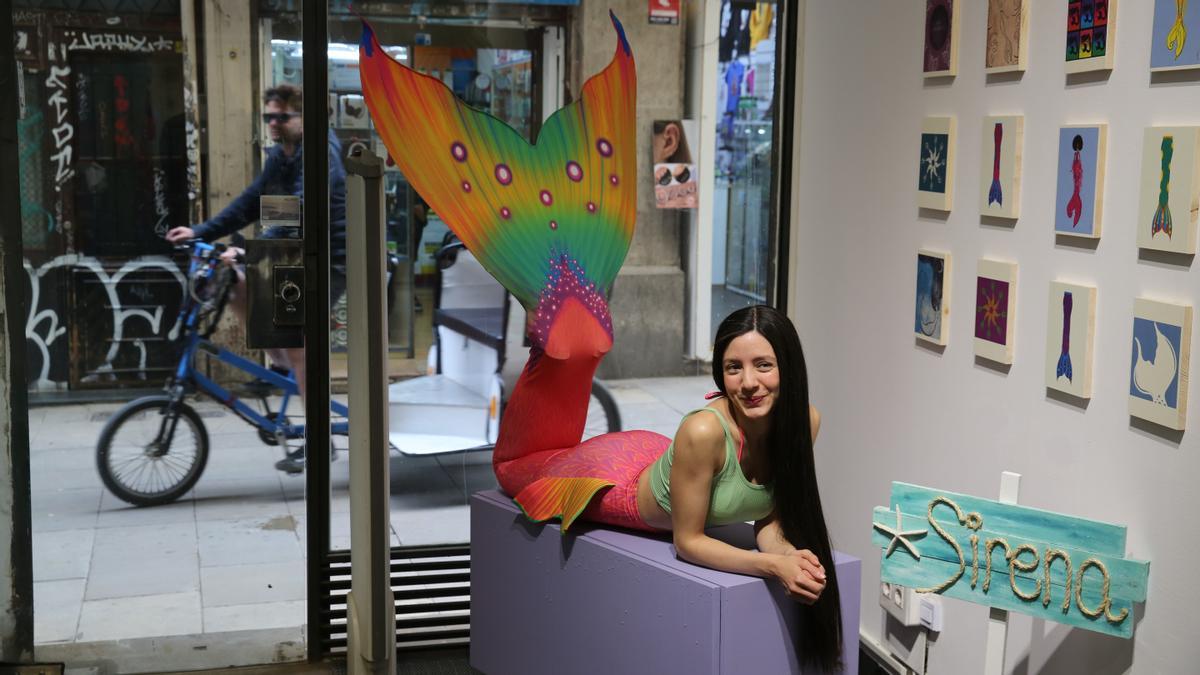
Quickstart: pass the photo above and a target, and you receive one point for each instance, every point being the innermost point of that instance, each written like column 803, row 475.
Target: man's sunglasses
column 282, row 117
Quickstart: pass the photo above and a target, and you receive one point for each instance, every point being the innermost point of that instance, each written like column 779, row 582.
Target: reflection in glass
column 742, row 244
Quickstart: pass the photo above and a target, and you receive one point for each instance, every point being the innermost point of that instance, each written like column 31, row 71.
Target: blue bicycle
column 153, row 450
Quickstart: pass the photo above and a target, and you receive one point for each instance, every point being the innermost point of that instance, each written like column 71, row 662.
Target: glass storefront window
column 742, row 237
column 140, row 119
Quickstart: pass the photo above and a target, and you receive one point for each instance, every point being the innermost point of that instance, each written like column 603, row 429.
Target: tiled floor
column 229, row 556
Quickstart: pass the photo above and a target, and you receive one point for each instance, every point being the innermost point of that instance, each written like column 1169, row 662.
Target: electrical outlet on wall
column 901, row 602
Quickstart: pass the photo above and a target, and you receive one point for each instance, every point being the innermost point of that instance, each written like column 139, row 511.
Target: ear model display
column 552, row 221
column 1162, row 215
column 995, row 194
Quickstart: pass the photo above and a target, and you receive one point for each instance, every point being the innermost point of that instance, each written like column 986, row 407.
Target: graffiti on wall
column 62, row 131
column 105, row 41
column 137, row 316
column 192, row 139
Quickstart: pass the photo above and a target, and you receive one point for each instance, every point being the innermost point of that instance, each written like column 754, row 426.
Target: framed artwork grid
column 1160, row 362
column 995, row 316
column 931, row 319
column 1070, row 337
column 935, row 171
column 1079, row 197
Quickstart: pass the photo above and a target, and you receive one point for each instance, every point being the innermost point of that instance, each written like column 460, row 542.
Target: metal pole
column 316, row 330
column 370, row 607
column 16, row 587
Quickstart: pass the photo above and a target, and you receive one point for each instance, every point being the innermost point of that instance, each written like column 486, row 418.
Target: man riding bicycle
column 282, row 174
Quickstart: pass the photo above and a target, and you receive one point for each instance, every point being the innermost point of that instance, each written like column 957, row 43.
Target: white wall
column 893, row 410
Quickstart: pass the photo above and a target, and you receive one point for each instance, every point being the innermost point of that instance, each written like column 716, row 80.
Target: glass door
column 744, row 243
column 446, row 317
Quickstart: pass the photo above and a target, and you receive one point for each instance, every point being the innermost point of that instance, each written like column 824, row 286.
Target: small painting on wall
column 1175, row 39
column 935, row 181
column 1170, row 199
column 931, row 320
column 941, row 38
column 1000, row 170
column 1070, row 334
column 1091, row 27
column 995, row 301
column 1158, row 372
column 1007, row 36
column 1079, row 202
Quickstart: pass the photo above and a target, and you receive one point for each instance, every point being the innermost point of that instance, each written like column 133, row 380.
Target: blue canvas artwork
column 1175, row 39
column 934, row 148
column 930, row 278
column 1078, row 168
column 1154, row 371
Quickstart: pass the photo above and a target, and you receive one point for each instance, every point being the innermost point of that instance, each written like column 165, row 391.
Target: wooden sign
column 1051, row 566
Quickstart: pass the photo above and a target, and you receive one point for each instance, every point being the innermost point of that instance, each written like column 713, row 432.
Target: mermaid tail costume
column 552, row 221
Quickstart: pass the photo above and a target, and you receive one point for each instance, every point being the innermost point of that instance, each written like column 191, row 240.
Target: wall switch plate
column 932, row 616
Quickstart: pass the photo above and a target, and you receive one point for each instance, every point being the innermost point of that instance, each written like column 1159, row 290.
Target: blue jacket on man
column 283, row 175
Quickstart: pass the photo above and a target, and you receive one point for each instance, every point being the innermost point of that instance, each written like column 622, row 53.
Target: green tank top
column 733, row 499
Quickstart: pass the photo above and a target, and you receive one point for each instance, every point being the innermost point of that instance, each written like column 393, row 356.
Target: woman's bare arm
column 769, row 536
column 699, row 455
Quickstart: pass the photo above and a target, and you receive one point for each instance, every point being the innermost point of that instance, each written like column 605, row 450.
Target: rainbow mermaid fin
column 557, row 497
column 552, row 221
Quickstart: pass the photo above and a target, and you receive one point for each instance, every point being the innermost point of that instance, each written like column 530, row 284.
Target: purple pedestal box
column 605, row 601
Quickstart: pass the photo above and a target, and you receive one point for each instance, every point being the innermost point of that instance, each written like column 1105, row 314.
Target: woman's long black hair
column 793, row 477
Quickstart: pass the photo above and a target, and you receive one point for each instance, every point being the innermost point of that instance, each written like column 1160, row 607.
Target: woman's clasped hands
column 802, row 575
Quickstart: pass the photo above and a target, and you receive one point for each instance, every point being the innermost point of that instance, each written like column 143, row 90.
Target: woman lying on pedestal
column 552, row 222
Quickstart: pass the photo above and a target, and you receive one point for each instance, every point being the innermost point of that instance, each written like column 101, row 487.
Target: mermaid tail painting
column 552, row 221
column 1162, row 215
column 1075, row 204
column 995, row 194
column 1177, row 36
column 1064, row 359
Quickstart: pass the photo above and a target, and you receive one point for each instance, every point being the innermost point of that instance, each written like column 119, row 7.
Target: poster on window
column 664, row 12
column 674, row 168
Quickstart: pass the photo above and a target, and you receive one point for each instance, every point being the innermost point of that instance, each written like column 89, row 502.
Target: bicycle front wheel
column 152, row 451
column 602, row 414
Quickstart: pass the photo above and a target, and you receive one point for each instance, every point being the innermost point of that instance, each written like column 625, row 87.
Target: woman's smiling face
column 751, row 375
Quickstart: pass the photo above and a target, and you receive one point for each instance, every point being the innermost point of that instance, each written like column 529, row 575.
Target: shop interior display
column 1175, row 39
column 941, row 38
column 1070, row 338
column 1000, row 166
column 1051, row 566
column 1170, row 184
column 745, row 143
column 935, row 182
column 932, row 314
column 1158, row 381
column 1007, row 45
column 995, row 310
column 1079, row 201
column 1091, row 35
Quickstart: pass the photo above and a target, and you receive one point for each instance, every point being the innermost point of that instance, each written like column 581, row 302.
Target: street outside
column 230, row 555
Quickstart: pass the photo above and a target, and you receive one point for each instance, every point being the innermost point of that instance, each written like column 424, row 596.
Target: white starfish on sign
column 900, row 536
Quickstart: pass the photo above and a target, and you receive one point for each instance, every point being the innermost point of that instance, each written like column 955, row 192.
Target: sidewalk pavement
column 229, row 556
